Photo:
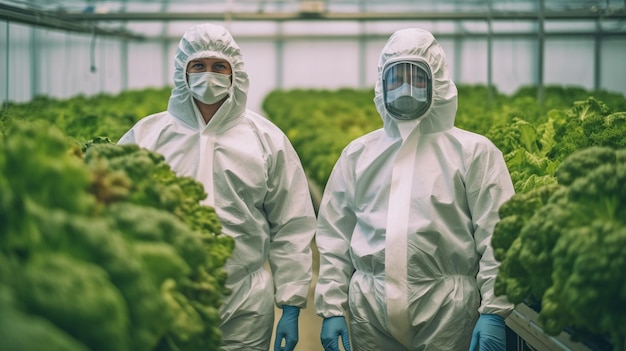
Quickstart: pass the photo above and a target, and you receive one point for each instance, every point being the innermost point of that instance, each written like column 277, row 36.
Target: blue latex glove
column 489, row 334
column 287, row 329
column 332, row 328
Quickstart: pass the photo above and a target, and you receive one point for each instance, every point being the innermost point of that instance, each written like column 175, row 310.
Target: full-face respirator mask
column 407, row 88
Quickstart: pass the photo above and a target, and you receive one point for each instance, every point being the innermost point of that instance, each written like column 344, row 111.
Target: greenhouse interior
column 106, row 246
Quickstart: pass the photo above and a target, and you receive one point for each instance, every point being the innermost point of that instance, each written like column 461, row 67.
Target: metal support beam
column 7, row 65
column 531, row 35
column 52, row 20
column 279, row 45
column 597, row 57
column 362, row 63
column 35, row 69
column 165, row 50
column 124, row 46
column 540, row 50
column 490, row 86
column 341, row 16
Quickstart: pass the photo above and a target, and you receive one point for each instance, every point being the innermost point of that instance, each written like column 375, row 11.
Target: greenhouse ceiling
column 111, row 17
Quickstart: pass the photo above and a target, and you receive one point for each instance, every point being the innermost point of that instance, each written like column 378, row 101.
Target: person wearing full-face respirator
column 254, row 180
column 406, row 219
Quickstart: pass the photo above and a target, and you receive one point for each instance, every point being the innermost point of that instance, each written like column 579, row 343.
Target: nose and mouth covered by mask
column 407, row 89
column 407, row 98
column 209, row 87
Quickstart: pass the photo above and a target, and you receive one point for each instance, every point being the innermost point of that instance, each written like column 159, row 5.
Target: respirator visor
column 407, row 89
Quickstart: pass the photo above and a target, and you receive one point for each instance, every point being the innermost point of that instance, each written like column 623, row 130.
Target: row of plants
column 563, row 248
column 84, row 117
column 103, row 247
column 567, row 212
column 562, row 237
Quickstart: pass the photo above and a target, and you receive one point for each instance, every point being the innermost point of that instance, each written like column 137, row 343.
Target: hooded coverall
column 255, row 182
column 406, row 219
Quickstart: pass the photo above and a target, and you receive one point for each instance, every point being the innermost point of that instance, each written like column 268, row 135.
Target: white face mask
column 209, row 87
column 418, row 94
column 407, row 98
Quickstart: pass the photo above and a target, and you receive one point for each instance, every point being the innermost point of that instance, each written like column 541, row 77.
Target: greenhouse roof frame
column 340, row 16
column 110, row 18
column 537, row 26
column 44, row 19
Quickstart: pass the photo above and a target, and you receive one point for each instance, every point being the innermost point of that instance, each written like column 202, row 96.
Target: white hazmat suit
column 255, row 182
column 405, row 224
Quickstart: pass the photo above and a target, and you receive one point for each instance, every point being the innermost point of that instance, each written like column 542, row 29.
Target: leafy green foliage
column 83, row 118
column 587, row 123
column 534, row 151
column 568, row 249
column 104, row 250
column 508, row 245
column 320, row 123
column 73, row 294
column 22, row 331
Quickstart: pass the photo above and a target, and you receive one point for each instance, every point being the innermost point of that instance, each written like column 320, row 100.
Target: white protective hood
column 411, row 44
column 200, row 42
column 254, row 180
column 405, row 223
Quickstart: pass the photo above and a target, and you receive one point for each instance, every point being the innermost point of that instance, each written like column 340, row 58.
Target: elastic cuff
column 291, row 309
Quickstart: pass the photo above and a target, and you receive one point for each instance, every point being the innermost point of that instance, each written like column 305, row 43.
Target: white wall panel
column 65, row 62
column 320, row 64
column 569, row 62
column 613, row 65
column 260, row 59
column 109, row 66
column 373, row 50
column 473, row 56
column 145, row 65
column 513, row 64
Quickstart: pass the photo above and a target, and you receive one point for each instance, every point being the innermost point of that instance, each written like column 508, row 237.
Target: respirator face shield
column 407, row 88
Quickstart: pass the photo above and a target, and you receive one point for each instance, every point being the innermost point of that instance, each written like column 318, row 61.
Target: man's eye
column 197, row 66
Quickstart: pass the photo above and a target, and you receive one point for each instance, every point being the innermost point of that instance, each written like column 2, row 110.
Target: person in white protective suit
column 406, row 219
column 253, row 178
